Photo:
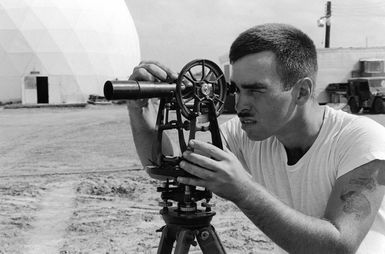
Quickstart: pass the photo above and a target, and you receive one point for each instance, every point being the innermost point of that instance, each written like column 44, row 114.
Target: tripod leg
column 167, row 240
column 209, row 241
column 183, row 242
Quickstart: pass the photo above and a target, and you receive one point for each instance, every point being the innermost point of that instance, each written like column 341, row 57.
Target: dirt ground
column 70, row 182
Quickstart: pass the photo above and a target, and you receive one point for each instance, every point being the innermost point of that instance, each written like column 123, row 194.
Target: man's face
column 263, row 106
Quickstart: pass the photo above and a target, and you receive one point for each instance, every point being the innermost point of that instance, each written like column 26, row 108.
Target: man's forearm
column 293, row 231
column 144, row 135
column 143, row 127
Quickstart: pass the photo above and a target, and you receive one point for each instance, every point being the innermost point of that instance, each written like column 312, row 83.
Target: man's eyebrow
column 255, row 85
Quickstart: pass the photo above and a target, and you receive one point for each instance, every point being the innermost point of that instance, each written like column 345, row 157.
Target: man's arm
column 143, row 113
column 355, row 201
column 351, row 209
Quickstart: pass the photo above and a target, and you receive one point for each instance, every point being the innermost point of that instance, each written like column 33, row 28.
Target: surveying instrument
column 196, row 99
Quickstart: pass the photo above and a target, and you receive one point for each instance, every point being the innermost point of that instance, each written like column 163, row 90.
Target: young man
column 310, row 177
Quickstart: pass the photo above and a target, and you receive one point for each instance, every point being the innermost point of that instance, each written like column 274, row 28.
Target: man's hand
column 217, row 170
column 150, row 71
column 143, row 113
column 352, row 207
column 153, row 71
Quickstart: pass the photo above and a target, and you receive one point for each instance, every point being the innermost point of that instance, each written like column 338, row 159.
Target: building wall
column 336, row 64
column 62, row 89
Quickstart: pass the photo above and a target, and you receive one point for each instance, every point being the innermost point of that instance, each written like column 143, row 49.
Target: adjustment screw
column 186, row 125
column 207, row 205
column 204, row 235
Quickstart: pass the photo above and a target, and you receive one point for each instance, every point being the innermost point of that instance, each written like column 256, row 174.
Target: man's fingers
column 196, row 170
column 191, row 181
column 208, row 149
column 170, row 73
column 153, row 71
column 142, row 74
column 201, row 160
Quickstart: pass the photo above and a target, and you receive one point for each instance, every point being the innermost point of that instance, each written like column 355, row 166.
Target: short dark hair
column 295, row 51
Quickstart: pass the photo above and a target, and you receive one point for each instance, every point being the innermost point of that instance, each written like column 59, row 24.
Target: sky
column 175, row 32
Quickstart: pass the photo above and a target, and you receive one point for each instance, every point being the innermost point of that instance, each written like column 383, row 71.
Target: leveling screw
column 165, row 203
column 206, row 204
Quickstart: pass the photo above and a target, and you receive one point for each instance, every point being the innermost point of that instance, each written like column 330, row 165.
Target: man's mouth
column 248, row 121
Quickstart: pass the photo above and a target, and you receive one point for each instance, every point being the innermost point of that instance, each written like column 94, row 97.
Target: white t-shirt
column 344, row 143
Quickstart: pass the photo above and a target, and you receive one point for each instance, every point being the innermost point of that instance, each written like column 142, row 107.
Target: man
column 310, row 177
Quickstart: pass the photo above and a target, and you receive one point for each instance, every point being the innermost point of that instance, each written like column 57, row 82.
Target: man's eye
column 255, row 91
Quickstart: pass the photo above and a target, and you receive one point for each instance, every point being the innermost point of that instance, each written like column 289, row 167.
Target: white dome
column 78, row 45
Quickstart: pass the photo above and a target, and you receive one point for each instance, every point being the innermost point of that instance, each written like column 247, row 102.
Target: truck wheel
column 353, row 104
column 378, row 106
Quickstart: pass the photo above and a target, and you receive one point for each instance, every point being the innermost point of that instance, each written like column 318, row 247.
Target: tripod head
column 197, row 98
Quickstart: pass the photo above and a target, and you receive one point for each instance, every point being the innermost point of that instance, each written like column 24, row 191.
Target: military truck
column 366, row 87
column 367, row 93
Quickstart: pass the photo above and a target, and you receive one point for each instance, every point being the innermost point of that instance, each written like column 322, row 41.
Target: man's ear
column 303, row 90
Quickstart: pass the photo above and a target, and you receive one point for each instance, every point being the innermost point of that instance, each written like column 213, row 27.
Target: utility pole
column 328, row 23
column 325, row 20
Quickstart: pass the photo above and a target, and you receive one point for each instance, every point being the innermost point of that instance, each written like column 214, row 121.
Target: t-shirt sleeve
column 363, row 142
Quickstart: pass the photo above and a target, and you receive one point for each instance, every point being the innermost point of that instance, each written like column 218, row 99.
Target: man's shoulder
column 348, row 122
column 338, row 115
column 355, row 140
column 354, row 132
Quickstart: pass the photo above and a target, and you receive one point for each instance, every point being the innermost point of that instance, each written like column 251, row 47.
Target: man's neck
column 302, row 133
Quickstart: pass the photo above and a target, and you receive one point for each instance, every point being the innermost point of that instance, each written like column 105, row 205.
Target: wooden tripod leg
column 184, row 240
column 209, row 241
column 167, row 240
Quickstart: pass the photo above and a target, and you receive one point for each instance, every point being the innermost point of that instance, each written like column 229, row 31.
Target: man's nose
column 241, row 104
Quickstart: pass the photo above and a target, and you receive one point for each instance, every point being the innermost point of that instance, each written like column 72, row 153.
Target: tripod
column 185, row 223
column 199, row 95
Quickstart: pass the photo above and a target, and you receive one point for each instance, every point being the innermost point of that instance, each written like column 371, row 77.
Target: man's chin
column 256, row 137
column 254, row 132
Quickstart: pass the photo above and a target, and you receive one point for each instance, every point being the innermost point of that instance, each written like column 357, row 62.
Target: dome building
column 60, row 52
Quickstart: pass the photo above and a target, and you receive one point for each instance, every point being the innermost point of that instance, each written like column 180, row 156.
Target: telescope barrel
column 131, row 89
